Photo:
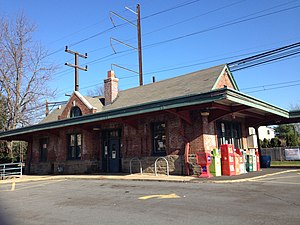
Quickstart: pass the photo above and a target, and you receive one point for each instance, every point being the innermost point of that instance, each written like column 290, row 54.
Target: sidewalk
column 161, row 178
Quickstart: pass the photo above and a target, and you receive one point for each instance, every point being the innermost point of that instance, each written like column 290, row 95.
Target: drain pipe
column 186, row 156
column 186, row 150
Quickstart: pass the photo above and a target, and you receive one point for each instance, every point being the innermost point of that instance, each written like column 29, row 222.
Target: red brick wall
column 245, row 134
column 224, row 81
column 209, row 135
column 111, row 87
column 138, row 142
column 58, row 146
column 194, row 132
column 74, row 99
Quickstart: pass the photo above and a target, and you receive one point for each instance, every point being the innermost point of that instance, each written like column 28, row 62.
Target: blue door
column 114, row 155
column 111, row 151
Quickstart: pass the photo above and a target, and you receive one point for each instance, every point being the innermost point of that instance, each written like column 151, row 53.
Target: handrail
column 11, row 169
column 130, row 167
column 155, row 166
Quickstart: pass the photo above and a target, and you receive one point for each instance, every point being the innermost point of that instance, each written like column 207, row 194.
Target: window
column 43, row 149
column 74, row 146
column 75, row 112
column 159, row 138
column 229, row 133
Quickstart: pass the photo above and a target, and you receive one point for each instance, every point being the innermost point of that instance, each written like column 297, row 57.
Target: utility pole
column 76, row 66
column 138, row 10
column 139, row 35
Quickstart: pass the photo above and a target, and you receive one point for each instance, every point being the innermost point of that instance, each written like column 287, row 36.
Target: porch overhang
column 220, row 102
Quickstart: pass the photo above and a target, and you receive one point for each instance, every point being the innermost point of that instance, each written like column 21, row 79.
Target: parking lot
column 265, row 200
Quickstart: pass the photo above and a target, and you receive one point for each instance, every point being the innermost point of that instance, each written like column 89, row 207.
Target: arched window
column 75, row 112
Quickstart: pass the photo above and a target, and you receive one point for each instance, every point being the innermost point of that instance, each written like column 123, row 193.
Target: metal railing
column 136, row 159
column 155, row 166
column 11, row 170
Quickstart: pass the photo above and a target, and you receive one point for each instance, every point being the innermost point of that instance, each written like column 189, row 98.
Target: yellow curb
column 138, row 177
column 100, row 177
column 252, row 178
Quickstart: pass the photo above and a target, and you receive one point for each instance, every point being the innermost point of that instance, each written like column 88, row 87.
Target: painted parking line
column 285, row 177
column 276, row 182
column 15, row 187
column 253, row 178
column 167, row 196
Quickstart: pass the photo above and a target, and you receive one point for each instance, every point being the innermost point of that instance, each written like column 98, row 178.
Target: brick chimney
column 111, row 86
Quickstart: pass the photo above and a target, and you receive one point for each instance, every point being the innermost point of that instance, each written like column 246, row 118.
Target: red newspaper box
column 228, row 160
column 203, row 159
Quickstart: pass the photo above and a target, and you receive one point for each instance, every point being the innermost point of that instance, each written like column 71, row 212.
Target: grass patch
column 285, row 163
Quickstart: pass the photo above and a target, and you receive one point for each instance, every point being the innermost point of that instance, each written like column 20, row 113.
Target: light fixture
column 205, row 113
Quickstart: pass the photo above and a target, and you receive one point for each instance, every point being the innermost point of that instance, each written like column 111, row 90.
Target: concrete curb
column 138, row 177
column 101, row 177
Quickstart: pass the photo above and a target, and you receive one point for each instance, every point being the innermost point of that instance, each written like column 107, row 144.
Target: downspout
column 186, row 150
column 186, row 156
column 258, row 143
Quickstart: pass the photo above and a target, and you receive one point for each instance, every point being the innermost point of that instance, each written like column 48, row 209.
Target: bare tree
column 2, row 113
column 24, row 72
column 97, row 91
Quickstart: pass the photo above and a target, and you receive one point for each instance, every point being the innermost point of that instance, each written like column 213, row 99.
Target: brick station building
column 173, row 118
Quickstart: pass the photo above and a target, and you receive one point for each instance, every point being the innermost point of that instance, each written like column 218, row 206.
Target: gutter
column 182, row 101
column 248, row 100
column 171, row 103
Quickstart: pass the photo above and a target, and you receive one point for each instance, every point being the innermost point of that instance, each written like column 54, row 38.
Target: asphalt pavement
column 267, row 197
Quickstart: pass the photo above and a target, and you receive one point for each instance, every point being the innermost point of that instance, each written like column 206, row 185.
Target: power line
column 229, row 23
column 201, row 63
column 174, row 24
column 194, row 17
column 270, row 85
column 206, row 30
column 269, row 56
column 269, row 60
column 167, row 10
column 108, row 56
column 111, row 28
column 170, row 9
column 267, row 89
column 219, row 26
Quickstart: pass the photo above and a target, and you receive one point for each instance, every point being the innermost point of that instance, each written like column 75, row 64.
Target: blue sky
column 82, row 25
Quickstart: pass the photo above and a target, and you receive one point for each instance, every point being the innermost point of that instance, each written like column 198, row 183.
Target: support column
column 28, row 157
column 258, row 143
column 208, row 133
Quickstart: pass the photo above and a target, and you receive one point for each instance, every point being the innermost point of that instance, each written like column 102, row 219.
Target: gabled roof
column 53, row 115
column 198, row 89
column 88, row 101
column 95, row 102
column 189, row 84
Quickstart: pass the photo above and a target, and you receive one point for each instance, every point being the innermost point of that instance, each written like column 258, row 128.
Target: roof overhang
column 226, row 97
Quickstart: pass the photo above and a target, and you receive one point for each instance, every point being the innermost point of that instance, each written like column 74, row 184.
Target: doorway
column 111, row 151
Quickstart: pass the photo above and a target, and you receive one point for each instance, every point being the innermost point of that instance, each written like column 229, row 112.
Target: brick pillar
column 110, row 87
column 209, row 137
column 28, row 157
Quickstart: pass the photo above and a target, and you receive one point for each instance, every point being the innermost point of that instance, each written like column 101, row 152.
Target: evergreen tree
column 288, row 133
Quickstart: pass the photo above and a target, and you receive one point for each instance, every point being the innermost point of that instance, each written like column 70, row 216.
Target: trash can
column 265, row 161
